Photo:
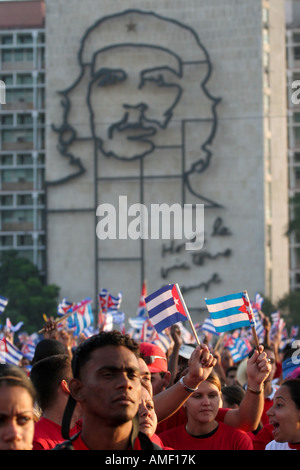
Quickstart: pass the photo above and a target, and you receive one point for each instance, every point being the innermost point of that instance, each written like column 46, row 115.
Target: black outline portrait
column 145, row 127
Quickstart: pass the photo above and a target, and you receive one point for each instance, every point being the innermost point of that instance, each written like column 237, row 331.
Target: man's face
column 110, row 387
column 139, row 87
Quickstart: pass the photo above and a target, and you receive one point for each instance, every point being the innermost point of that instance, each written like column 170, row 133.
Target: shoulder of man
column 68, row 444
column 144, row 442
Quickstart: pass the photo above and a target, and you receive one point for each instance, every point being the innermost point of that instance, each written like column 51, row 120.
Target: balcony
column 17, row 226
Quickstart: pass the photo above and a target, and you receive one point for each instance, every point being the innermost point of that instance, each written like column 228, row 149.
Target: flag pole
column 74, row 308
column 187, row 313
column 219, row 341
column 57, row 320
column 252, row 321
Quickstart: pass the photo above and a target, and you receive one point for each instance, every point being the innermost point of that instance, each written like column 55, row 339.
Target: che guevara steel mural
column 143, row 91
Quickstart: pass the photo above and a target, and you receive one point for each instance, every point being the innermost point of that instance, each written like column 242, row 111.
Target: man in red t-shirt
column 50, row 377
column 106, row 383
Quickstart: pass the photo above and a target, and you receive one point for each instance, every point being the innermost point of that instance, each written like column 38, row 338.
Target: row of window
column 21, row 119
column 7, row 200
column 21, row 159
column 19, row 175
column 21, row 38
column 22, row 78
column 21, row 240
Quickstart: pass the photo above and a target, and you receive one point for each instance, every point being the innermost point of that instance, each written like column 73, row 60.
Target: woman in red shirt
column 202, row 431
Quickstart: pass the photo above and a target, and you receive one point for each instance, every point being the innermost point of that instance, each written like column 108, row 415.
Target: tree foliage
column 288, row 306
column 29, row 297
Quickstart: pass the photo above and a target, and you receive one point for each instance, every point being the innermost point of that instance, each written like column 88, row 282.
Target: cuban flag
column 64, row 306
column 82, row 317
column 166, row 307
column 148, row 333
column 239, row 349
column 28, row 350
column 208, row 326
column 294, row 331
column 109, row 302
column 230, row 312
column 258, row 301
column 3, row 303
column 9, row 354
column 142, row 309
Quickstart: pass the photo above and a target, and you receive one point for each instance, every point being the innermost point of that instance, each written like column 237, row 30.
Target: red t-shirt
column 179, row 418
column 224, row 437
column 78, row 444
column 47, row 434
column 263, row 437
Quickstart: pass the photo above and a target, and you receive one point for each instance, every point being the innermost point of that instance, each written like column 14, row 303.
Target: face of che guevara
column 139, row 85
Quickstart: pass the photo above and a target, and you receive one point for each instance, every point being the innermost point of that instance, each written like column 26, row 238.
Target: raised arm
column 170, row 400
column 248, row 415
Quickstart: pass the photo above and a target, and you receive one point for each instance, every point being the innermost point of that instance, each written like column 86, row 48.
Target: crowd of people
column 111, row 392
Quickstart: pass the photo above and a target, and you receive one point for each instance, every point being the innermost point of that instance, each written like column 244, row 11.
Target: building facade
column 22, row 130
column 293, row 113
column 182, row 106
column 154, row 114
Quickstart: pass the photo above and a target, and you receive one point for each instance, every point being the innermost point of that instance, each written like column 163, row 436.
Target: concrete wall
column 217, row 47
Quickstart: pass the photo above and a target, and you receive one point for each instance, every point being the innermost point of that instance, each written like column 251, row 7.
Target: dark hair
column 47, row 374
column 47, row 347
column 233, row 393
column 231, row 368
column 82, row 355
column 294, row 389
column 104, row 338
column 14, row 376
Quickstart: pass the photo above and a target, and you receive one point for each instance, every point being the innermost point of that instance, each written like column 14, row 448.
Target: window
column 24, row 79
column 24, row 39
column 24, row 200
column 24, row 240
column 17, row 216
column 17, row 55
column 17, row 136
column 6, row 240
column 6, row 200
column 24, row 159
column 297, row 52
column 24, row 119
column 19, row 175
column 8, row 39
column 7, row 79
column 6, row 160
column 18, row 96
column 6, row 56
column 6, row 119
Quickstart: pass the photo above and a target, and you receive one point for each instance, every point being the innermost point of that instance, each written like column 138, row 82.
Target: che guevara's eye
column 110, row 77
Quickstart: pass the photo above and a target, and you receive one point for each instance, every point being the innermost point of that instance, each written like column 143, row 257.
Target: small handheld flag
column 166, row 307
column 3, row 303
column 231, row 312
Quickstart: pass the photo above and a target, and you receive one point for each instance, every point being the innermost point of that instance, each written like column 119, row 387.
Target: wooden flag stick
column 219, row 341
column 252, row 321
column 57, row 320
column 64, row 317
column 187, row 313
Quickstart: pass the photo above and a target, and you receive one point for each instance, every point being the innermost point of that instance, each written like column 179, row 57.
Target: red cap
column 154, row 357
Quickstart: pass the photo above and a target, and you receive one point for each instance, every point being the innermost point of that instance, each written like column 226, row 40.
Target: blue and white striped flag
column 166, row 307
column 3, row 303
column 240, row 349
column 208, row 326
column 81, row 319
column 230, row 312
column 9, row 354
